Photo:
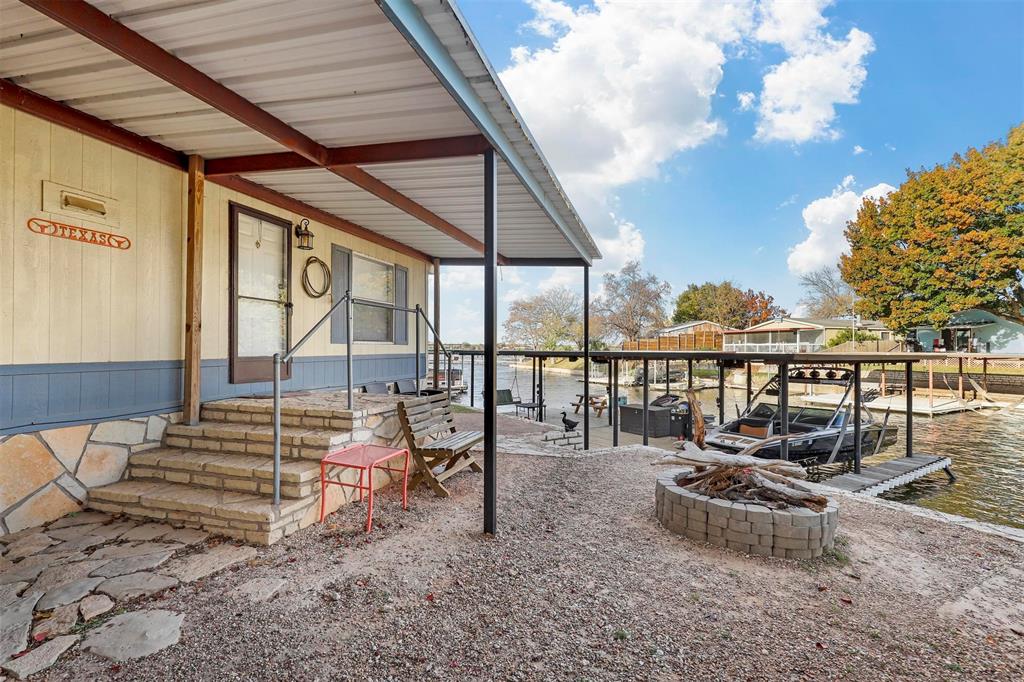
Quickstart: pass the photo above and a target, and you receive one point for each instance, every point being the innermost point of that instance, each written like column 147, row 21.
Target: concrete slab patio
column 581, row 582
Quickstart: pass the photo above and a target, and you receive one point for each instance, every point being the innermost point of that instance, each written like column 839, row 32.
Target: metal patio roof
column 342, row 72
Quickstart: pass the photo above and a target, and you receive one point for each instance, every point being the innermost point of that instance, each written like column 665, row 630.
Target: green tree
column 726, row 304
column 845, row 335
column 949, row 239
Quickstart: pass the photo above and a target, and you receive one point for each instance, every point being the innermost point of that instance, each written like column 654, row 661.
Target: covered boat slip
column 870, row 480
column 192, row 147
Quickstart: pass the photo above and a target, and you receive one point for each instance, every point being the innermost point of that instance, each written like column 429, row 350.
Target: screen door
column 260, row 294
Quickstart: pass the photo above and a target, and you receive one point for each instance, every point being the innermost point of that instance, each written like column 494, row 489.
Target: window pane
column 262, row 259
column 373, row 280
column 261, row 328
column 372, row 324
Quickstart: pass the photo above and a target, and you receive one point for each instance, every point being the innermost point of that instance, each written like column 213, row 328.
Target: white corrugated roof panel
column 339, row 71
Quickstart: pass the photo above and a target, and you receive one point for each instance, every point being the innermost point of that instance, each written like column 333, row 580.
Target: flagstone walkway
column 75, row 581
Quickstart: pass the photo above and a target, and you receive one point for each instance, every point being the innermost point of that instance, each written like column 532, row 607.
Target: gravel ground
column 581, row 583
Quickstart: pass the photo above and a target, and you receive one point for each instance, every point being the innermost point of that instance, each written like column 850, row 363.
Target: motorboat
column 819, row 435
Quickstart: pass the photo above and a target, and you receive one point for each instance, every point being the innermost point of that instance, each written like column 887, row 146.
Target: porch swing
column 505, row 396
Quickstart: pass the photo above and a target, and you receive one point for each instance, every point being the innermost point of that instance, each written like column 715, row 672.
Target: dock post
column 931, row 389
column 721, row 392
column 784, row 410
column 645, row 416
column 533, row 379
column 750, row 384
column 615, row 401
column 857, row 445
column 960, row 377
column 540, row 389
column 910, row 408
column 610, row 392
column 472, row 378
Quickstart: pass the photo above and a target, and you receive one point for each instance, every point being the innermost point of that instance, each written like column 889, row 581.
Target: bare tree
column 633, row 302
column 550, row 320
column 826, row 294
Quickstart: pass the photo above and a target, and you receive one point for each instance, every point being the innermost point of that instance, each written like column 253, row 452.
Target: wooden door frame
column 252, row 370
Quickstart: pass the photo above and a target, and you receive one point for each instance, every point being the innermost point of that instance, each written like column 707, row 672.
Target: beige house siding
column 76, row 302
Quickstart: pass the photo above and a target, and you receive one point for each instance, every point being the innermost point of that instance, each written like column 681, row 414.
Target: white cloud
column 826, row 220
column 789, row 201
column 624, row 86
column 746, row 100
column 858, row 150
column 799, row 96
column 890, row 147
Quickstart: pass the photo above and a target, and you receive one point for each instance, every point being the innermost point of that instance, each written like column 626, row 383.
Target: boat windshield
column 813, row 416
column 763, row 411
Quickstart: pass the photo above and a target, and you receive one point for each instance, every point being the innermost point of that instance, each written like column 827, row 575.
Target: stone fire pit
column 793, row 533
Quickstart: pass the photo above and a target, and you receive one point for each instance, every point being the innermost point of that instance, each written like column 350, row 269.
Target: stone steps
column 249, row 411
column 241, row 473
column 297, row 442
column 248, row 517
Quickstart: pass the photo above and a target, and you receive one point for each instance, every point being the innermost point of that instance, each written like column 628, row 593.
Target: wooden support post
column 689, row 372
column 193, row 291
column 883, row 380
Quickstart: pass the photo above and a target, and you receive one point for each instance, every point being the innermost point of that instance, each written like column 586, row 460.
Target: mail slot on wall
column 78, row 203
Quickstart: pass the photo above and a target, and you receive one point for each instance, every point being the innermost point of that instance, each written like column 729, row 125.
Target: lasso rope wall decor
column 307, row 284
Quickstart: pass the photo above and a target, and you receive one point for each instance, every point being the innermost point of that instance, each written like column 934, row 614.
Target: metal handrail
column 278, row 359
column 349, row 301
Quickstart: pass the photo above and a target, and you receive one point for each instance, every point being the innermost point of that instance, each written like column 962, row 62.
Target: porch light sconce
column 304, row 236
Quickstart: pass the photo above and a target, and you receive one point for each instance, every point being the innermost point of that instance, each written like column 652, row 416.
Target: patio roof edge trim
column 406, row 17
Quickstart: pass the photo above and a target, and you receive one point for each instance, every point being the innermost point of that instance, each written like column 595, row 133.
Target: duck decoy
column 570, row 425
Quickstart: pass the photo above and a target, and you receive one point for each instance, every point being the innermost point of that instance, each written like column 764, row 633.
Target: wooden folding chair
column 439, row 450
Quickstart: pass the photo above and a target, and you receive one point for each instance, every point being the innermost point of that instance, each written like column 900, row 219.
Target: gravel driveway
column 581, row 583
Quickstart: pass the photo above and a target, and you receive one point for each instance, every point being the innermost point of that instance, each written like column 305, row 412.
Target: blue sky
column 841, row 99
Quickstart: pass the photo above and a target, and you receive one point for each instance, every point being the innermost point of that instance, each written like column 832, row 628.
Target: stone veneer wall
column 45, row 475
column 794, row 533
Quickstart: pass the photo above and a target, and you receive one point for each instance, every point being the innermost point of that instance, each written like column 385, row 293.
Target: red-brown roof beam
column 356, row 155
column 92, row 23
column 19, row 98
column 47, row 109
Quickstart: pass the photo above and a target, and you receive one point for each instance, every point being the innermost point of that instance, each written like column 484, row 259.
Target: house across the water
column 799, row 334
column 971, row 331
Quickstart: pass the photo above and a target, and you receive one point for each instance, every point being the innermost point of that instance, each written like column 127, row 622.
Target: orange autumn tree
column 949, row 239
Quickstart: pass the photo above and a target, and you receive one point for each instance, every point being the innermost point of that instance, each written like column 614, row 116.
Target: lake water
column 987, row 448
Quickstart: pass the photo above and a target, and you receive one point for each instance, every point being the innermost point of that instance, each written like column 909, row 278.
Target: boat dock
column 879, row 478
column 923, row 405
